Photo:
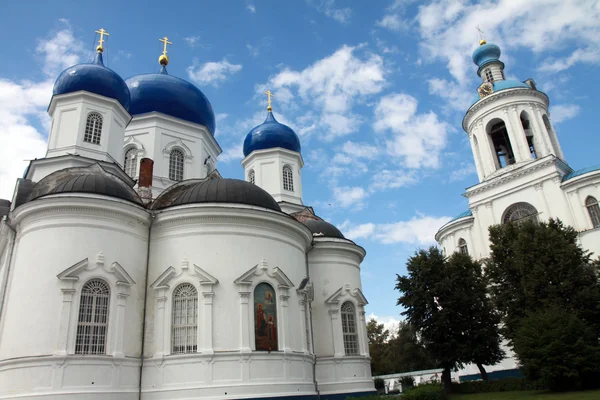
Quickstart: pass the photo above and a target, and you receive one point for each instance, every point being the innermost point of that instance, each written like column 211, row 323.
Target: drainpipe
column 145, row 192
column 312, row 335
column 11, row 245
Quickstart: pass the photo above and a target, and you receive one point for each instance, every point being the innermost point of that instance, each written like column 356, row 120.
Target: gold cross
column 165, row 40
column 481, row 39
column 269, row 95
column 102, row 33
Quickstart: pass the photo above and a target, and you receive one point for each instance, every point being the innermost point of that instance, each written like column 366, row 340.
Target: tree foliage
column 446, row 301
column 546, row 289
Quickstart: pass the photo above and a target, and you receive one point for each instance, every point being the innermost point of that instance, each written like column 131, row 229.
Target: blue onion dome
column 171, row 96
column 94, row 78
column 271, row 134
column 93, row 180
column 219, row 190
column 322, row 228
column 486, row 53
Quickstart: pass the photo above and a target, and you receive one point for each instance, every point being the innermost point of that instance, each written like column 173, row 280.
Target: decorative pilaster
column 338, row 335
column 284, row 328
column 302, row 303
column 244, row 321
column 362, row 331
column 207, row 326
column 159, row 326
column 122, row 295
column 65, row 321
column 542, row 196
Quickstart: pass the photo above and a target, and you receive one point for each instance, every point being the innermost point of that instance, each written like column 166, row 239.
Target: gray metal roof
column 227, row 191
column 323, row 228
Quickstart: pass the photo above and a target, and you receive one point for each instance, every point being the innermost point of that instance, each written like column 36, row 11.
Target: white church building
column 522, row 171
column 130, row 269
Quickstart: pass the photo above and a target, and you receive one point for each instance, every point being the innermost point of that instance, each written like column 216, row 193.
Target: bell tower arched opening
column 526, row 124
column 498, row 134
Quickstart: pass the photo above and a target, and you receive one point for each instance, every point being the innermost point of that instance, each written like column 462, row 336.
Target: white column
column 338, row 335
column 488, row 155
column 518, row 136
column 362, row 331
column 159, row 326
column 122, row 294
column 477, row 157
column 283, row 317
column 65, row 322
column 302, row 304
column 207, row 326
column 244, row 320
column 539, row 126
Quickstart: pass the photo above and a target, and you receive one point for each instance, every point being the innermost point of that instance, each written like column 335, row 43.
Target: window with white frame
column 92, row 325
column 462, row 246
column 349, row 329
column 93, row 128
column 176, row 165
column 184, row 331
column 520, row 212
column 251, row 176
column 594, row 210
column 288, row 179
column 130, row 162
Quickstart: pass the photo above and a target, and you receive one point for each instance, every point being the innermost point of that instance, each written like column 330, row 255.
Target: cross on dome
column 102, row 33
column 269, row 95
column 481, row 39
column 164, row 59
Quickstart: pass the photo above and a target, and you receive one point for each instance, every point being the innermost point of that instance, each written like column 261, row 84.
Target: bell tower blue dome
column 94, row 78
column 271, row 134
column 171, row 96
column 486, row 53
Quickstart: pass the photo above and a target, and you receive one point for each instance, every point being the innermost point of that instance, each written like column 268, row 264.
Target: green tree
column 533, row 266
column 378, row 337
column 406, row 351
column 558, row 349
column 446, row 301
column 537, row 271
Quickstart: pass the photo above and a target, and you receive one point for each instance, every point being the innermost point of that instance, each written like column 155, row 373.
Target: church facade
column 522, row 171
column 129, row 268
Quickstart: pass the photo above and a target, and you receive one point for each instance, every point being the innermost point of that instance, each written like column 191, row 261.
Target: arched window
column 526, row 124
column 594, row 210
column 501, row 143
column 93, row 128
column 176, row 165
column 520, row 212
column 265, row 318
column 184, row 329
column 130, row 162
column 462, row 246
column 251, row 176
column 288, row 178
column 92, row 325
column 349, row 329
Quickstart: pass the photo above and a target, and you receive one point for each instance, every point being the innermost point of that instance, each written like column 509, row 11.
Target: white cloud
column 360, row 150
column 251, row 8
column 456, row 96
column 392, row 22
column 387, row 179
column 331, row 87
column 389, row 323
column 328, row 8
column 23, row 107
column 462, row 172
column 563, row 112
column 419, row 230
column 212, row 72
column 233, row 153
column 447, row 29
column 346, row 197
column 416, row 139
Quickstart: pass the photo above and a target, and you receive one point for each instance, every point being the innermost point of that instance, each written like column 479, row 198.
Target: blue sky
column 376, row 91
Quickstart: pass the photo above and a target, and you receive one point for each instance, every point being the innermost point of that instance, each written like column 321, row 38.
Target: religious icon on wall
column 265, row 318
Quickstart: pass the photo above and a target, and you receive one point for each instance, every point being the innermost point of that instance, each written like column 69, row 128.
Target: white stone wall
column 268, row 169
column 63, row 241
column 154, row 135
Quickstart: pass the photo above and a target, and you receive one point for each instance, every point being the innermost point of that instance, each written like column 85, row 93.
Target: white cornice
column 85, row 95
column 512, row 92
column 340, row 246
column 275, row 151
column 345, row 291
column 463, row 222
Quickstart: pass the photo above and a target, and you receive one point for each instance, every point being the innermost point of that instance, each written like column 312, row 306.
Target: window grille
column 489, row 76
column 349, row 329
column 594, row 210
column 93, row 128
column 251, row 176
column 176, row 165
column 288, row 179
column 462, row 246
column 520, row 212
column 130, row 163
column 92, row 325
column 184, row 331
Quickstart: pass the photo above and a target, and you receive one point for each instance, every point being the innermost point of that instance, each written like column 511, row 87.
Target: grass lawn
column 588, row 395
